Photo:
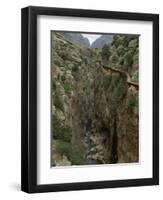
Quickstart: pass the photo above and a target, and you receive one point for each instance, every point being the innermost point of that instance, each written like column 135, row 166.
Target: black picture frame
column 29, row 99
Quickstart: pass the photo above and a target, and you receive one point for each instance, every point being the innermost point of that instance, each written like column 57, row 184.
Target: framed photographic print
column 90, row 99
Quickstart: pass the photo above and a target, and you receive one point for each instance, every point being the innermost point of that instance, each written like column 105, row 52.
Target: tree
column 106, row 52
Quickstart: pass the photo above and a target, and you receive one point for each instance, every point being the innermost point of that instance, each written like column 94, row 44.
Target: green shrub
column 121, row 50
column 114, row 58
column 106, row 52
column 58, row 77
column 121, row 61
column 57, row 101
column 120, row 88
column 128, row 59
column 135, row 77
column 125, row 40
column 63, row 148
column 136, row 59
column 120, row 40
column 114, row 82
column 133, row 43
column 88, row 125
column 63, row 78
column 57, row 62
column 67, row 88
column 72, row 152
column 54, row 86
column 97, row 84
column 132, row 102
column 75, row 68
column 66, row 134
column 64, row 55
column 76, row 157
column 56, row 59
column 60, row 131
column 116, row 41
column 76, row 76
column 107, row 81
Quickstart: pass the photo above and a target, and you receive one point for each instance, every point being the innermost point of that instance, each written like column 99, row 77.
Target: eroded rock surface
column 94, row 110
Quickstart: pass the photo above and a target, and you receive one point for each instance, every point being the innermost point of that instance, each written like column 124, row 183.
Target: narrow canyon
column 95, row 92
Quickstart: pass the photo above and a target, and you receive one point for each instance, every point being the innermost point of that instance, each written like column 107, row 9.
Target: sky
column 91, row 37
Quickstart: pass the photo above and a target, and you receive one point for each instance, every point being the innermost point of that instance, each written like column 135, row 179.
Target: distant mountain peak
column 76, row 38
column 101, row 41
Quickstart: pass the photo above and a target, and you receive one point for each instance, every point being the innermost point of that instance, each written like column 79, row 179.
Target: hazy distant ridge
column 77, row 38
column 101, row 41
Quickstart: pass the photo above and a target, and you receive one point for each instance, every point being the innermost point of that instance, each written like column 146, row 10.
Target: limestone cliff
column 94, row 102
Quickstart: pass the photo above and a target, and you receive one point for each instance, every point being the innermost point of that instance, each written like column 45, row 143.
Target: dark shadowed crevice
column 114, row 154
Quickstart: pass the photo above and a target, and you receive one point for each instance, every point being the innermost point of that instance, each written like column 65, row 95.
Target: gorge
column 95, row 100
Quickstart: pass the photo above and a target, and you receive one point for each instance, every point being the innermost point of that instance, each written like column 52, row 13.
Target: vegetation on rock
column 94, row 100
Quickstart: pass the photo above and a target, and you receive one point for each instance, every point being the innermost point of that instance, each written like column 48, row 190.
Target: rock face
column 101, row 41
column 94, row 109
column 77, row 38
